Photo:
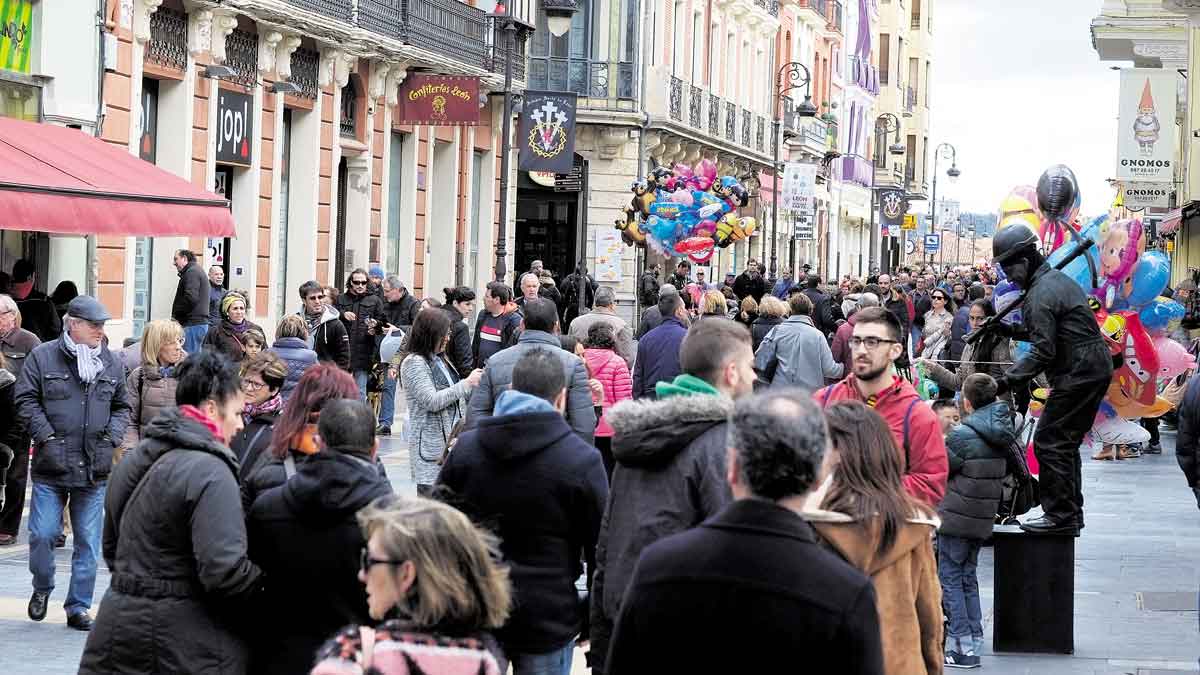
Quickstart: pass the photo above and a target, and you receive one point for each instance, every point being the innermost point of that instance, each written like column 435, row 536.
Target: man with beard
column 750, row 282
column 876, row 342
column 1066, row 344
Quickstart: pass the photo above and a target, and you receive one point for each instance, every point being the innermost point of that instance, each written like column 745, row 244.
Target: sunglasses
column 358, row 283
column 366, row 562
column 317, row 297
column 940, row 297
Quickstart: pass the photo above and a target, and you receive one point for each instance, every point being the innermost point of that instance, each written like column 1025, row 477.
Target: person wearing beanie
column 229, row 337
column 376, row 276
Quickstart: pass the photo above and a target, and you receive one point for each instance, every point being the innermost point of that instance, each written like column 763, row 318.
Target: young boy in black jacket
column 976, row 450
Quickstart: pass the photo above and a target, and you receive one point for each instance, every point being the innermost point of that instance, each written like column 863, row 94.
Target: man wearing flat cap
column 71, row 395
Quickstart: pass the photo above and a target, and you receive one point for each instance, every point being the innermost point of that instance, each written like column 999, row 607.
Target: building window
column 885, row 55
column 476, row 189
column 563, row 63
column 395, row 202
column 679, row 37
column 698, row 51
column 349, row 113
column 927, row 82
column 281, row 232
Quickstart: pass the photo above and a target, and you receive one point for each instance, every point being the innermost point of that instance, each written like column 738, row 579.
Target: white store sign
column 1146, row 129
column 1143, row 195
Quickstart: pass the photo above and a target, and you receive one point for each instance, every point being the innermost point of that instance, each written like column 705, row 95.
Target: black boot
column 1050, row 525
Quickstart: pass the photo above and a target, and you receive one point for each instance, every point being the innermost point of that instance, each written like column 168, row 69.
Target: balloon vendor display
column 1125, row 283
column 686, row 211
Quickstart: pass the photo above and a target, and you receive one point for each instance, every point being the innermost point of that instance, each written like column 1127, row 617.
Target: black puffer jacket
column 402, row 313
column 977, row 453
column 1187, row 444
column 363, row 353
column 670, row 477
column 458, row 352
column 251, row 444
column 192, row 295
column 761, row 326
column 176, row 546
column 304, row 535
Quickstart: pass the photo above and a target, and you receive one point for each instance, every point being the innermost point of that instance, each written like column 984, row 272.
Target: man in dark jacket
column 175, row 542
column 579, row 285
column 71, row 396
column 1187, row 443
column 1065, row 343
column 191, row 305
column 524, row 475
column 304, row 535
column 399, row 312
column 326, row 333
column 752, row 585
column 38, row 313
column 540, row 332
column 16, row 344
column 670, row 454
column 648, row 286
column 822, row 315
column 977, row 452
column 750, row 282
column 681, row 277
column 216, row 293
column 658, row 350
column 651, row 317
column 361, row 311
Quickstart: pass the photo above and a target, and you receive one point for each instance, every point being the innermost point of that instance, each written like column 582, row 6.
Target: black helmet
column 1011, row 242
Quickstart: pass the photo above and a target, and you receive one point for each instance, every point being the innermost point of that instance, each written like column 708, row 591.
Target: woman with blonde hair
column 713, row 305
column 771, row 312
column 151, row 386
column 291, row 345
column 749, row 311
column 433, row 581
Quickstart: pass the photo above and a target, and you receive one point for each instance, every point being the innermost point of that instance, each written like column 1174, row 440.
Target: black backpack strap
column 907, row 423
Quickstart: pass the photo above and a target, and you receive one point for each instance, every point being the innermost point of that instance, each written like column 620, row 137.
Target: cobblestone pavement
column 1139, row 551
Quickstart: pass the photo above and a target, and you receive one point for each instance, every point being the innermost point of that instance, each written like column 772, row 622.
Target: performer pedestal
column 1034, row 591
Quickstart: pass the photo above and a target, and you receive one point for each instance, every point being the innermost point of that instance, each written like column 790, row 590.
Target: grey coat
column 669, row 477
column 434, row 407
column 796, row 354
column 149, row 394
column 74, row 428
column 497, row 378
column 621, row 331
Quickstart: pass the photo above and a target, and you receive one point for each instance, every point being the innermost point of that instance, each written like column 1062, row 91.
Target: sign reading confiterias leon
column 439, row 100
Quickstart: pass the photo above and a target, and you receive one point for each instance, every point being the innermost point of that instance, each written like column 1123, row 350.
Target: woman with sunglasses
column 991, row 354
column 432, row 580
column 938, row 325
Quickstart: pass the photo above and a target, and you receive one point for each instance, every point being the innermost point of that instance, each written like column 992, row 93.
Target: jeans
column 360, row 378
column 45, row 523
column 387, row 402
column 557, row 662
column 957, row 559
column 193, row 337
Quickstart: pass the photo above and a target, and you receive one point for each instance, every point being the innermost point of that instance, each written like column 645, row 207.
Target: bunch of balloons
column 1125, row 283
column 686, row 211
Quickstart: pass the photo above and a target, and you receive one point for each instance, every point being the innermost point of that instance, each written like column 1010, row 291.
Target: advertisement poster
column 799, row 184
column 609, row 248
column 1146, row 127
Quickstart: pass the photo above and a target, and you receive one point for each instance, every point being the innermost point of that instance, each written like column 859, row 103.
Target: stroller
column 1020, row 485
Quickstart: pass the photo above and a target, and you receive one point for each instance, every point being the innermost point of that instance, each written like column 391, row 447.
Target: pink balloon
column 706, row 227
column 683, row 197
column 1173, row 358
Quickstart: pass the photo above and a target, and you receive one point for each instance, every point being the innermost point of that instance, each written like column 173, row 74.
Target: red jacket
column 841, row 344
column 926, row 465
column 608, row 367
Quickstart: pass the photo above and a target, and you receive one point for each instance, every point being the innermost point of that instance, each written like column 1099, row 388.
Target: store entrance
column 546, row 231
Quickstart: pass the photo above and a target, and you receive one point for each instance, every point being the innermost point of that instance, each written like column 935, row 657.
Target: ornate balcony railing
column 696, row 107
column 835, row 19
column 760, row 133
column 857, row 170
column 304, row 72
column 341, row 10
column 864, row 74
column 714, row 115
column 597, row 80
column 746, row 129
column 241, row 54
column 349, row 120
column 817, row 6
column 730, row 121
column 771, row 6
column 168, row 39
column 916, row 19
column 676, row 99
column 495, row 48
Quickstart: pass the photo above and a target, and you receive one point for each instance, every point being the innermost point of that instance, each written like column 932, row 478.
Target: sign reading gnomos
column 439, row 100
column 1146, row 130
column 235, row 127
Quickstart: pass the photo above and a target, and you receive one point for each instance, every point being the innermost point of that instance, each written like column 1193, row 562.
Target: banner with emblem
column 546, row 132
column 893, row 204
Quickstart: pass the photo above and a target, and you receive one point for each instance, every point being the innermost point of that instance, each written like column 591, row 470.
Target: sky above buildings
column 1017, row 88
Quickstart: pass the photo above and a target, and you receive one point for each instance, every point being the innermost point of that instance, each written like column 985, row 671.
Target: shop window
column 281, row 232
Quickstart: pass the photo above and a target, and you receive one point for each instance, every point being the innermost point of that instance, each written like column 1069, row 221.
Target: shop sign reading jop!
column 439, row 100
column 235, row 127
column 1146, row 129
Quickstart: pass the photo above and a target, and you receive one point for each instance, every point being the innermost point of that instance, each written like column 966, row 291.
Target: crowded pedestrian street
column 599, row 337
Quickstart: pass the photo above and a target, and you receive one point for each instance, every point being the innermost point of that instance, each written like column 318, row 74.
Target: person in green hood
column 670, row 455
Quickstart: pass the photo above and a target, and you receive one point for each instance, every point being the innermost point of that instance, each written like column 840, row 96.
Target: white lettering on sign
column 233, row 127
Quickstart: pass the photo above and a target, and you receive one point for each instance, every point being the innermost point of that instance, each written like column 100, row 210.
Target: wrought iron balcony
column 746, row 129
column 760, row 126
column 676, row 99
column 348, row 123
column 818, row 6
column 864, row 74
column 695, row 107
column 304, row 72
column 857, row 170
column 714, row 115
column 342, row 10
column 916, row 18
column 771, row 6
column 168, row 39
column 731, row 112
column 835, row 19
column 495, row 48
column 604, row 83
column 241, row 50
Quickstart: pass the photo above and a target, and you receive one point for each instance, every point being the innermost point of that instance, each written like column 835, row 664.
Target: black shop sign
column 235, row 127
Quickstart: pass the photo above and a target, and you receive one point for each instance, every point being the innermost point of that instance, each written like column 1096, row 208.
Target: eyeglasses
column 251, row 385
column 871, row 343
column 316, row 297
column 366, row 562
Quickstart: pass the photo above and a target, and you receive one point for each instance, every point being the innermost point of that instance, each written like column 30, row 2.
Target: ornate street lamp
column 509, row 24
column 791, row 76
column 953, row 173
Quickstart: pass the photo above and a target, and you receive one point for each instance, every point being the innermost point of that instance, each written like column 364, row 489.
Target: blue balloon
column 1078, row 269
column 1150, row 277
column 1160, row 312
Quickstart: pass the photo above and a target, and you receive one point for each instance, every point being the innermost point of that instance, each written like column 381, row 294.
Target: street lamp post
column 953, row 173
column 791, row 76
column 885, row 124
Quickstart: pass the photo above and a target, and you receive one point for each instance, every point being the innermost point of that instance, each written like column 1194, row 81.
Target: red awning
column 1171, row 221
column 61, row 180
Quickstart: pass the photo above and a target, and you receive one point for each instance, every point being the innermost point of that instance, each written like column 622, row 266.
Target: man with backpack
column 978, row 460
column 876, row 342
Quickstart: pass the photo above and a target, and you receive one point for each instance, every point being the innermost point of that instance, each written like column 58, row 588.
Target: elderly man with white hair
column 71, row 394
column 15, row 344
column 604, row 311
